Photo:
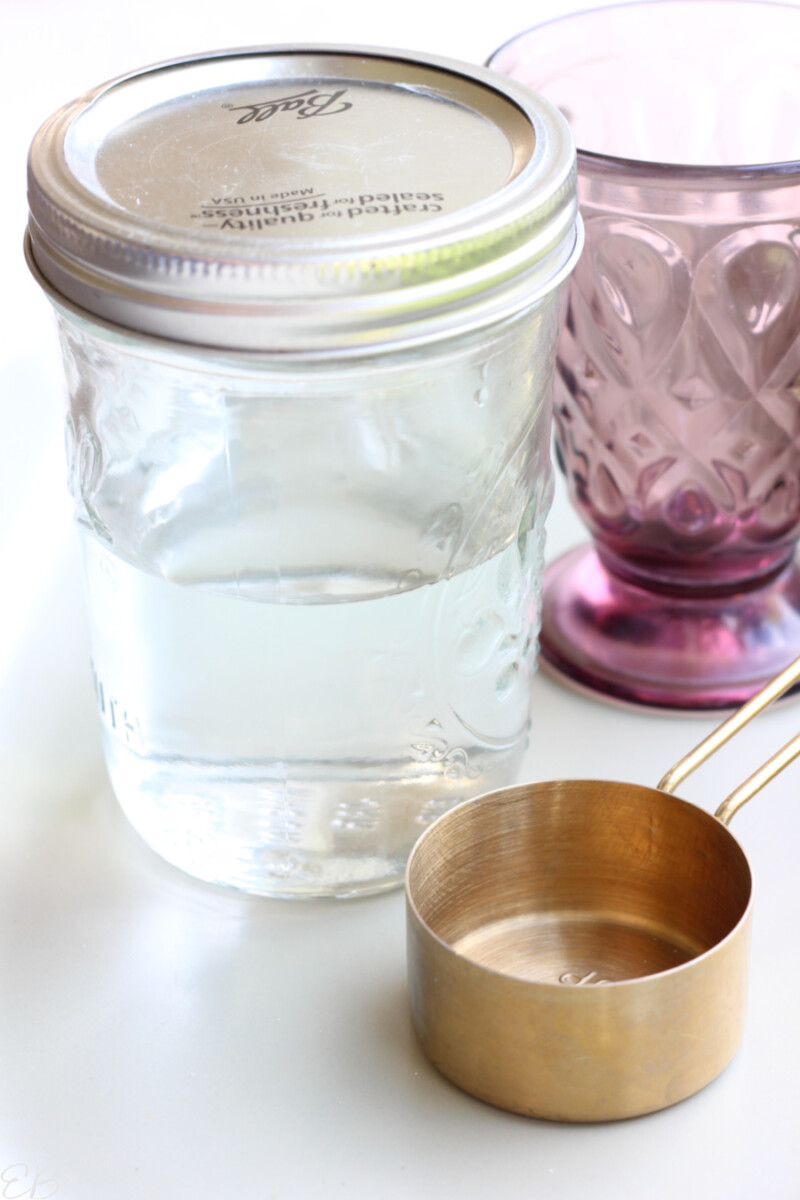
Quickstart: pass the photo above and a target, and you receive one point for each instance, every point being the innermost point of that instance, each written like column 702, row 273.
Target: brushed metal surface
column 303, row 199
column 578, row 949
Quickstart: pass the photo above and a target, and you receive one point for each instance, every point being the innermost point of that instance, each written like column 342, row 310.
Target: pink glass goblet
column 677, row 405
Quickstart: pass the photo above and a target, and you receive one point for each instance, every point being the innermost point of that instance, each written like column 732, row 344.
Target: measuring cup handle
column 724, row 732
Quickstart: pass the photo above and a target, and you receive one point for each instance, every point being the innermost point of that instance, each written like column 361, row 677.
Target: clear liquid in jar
column 291, row 749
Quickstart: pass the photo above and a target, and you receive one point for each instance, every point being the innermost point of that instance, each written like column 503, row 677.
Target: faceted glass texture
column 677, row 402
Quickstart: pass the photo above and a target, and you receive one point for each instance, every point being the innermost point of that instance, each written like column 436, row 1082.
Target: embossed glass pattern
column 313, row 592
column 678, row 386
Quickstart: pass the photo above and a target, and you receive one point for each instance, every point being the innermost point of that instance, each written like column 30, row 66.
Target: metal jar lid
column 308, row 199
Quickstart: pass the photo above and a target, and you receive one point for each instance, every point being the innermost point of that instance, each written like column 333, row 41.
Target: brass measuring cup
column 578, row 949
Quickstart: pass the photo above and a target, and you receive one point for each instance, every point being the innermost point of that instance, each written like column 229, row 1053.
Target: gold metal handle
column 724, row 732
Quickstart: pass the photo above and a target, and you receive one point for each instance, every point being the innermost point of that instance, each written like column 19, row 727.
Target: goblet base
column 644, row 648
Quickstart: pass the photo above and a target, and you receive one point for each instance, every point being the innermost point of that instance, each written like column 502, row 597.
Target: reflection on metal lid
column 303, row 199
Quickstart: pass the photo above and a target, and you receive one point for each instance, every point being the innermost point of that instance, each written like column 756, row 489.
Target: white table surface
column 162, row 1038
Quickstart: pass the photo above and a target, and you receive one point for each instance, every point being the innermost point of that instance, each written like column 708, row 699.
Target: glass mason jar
column 311, row 467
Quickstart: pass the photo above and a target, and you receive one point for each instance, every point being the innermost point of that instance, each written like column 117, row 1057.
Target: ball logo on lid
column 312, row 103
